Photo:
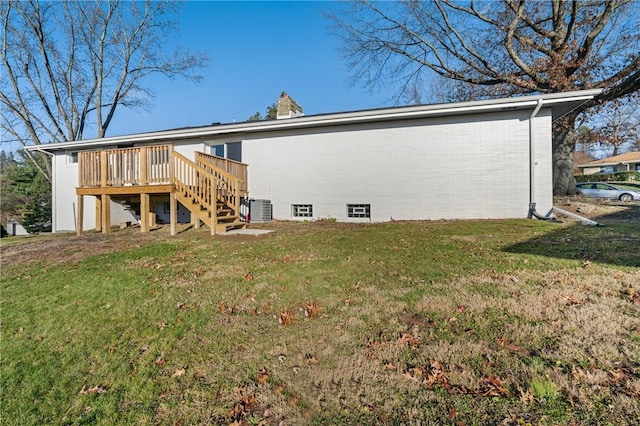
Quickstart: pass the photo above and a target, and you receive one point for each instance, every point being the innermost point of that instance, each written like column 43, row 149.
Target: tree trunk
column 564, row 143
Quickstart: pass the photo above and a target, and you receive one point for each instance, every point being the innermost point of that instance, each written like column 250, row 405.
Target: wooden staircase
column 210, row 193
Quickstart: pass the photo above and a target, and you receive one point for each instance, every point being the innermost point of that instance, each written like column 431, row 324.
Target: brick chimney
column 287, row 107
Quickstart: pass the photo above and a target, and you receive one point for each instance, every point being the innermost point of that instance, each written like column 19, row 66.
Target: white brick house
column 469, row 160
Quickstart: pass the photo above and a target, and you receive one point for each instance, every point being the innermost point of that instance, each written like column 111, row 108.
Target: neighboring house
column 628, row 162
column 485, row 159
column 581, row 157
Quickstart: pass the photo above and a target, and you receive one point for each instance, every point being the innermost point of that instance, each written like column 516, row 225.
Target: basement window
column 302, row 210
column 359, row 210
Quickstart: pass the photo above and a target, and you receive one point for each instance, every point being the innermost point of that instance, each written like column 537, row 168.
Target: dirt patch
column 60, row 248
column 598, row 209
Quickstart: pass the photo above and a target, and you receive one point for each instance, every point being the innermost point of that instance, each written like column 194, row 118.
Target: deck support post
column 98, row 213
column 144, row 212
column 106, row 214
column 195, row 220
column 173, row 212
column 80, row 214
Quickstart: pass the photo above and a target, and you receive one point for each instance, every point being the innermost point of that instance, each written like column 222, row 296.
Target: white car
column 606, row 190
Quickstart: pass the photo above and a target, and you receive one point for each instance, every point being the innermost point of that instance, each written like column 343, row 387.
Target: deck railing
column 233, row 168
column 147, row 165
column 191, row 179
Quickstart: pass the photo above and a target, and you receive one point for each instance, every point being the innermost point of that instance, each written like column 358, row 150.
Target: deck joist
column 127, row 190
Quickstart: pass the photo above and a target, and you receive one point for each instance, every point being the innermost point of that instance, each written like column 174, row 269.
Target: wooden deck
column 210, row 187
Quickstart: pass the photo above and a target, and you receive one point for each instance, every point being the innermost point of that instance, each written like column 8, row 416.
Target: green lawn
column 471, row 322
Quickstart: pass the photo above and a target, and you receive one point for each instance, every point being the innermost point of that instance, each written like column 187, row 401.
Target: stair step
column 225, row 227
column 227, row 219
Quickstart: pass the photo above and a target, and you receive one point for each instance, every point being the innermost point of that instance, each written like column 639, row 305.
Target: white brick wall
column 464, row 167
column 444, row 168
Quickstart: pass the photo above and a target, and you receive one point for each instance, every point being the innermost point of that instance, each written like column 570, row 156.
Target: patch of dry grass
column 405, row 323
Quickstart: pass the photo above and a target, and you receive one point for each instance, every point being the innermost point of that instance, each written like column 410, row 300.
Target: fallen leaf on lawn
column 242, row 408
column 632, row 294
column 492, row 386
column 263, row 376
column 311, row 310
column 160, row 361
column 285, row 318
column 92, row 390
column 505, row 343
column 178, row 373
column 452, row 413
column 462, row 308
column 526, row 396
column 390, row 366
column 180, row 306
column 412, row 374
column 311, row 359
column 248, row 276
column 571, row 301
column 408, row 339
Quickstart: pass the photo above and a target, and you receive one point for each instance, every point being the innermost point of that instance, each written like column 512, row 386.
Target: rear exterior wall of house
column 466, row 167
column 456, row 167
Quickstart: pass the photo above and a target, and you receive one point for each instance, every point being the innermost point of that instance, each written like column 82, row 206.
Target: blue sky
column 257, row 50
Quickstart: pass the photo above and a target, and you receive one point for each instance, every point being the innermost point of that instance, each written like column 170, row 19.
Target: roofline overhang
column 561, row 104
column 617, row 163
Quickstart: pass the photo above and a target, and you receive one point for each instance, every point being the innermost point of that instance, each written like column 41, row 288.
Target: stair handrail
column 194, row 180
column 229, row 186
column 210, row 160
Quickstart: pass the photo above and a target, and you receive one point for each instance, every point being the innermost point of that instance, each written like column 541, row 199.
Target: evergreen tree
column 25, row 193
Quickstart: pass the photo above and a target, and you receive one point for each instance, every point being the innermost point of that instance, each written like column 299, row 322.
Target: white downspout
column 532, row 179
column 532, row 161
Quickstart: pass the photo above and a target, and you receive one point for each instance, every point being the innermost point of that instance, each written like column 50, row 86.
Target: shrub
column 609, row 177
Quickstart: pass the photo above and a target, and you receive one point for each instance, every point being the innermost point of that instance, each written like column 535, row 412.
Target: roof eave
column 560, row 103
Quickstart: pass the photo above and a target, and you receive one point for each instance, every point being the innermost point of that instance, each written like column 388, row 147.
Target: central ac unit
column 260, row 211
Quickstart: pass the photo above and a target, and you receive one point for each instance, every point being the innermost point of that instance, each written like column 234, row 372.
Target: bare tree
column 614, row 128
column 68, row 66
column 506, row 47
